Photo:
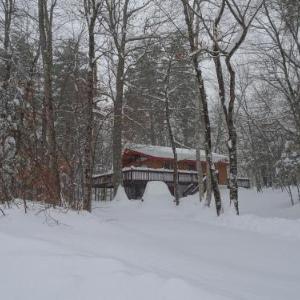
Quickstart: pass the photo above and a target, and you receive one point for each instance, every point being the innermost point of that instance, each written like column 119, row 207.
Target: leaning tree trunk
column 229, row 117
column 208, row 147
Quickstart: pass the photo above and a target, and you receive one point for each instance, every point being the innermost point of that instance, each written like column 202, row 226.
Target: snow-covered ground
column 153, row 250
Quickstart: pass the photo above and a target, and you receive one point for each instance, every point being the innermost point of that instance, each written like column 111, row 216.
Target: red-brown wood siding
column 136, row 159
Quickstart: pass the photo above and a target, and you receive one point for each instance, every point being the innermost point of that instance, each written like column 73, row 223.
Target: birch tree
column 243, row 15
column 167, row 92
column 8, row 7
column 7, row 144
column 195, row 52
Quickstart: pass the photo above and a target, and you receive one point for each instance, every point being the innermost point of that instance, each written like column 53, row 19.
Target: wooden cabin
column 144, row 163
column 158, row 157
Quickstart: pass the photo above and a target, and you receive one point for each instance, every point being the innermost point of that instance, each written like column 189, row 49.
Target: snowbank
column 121, row 195
column 157, row 193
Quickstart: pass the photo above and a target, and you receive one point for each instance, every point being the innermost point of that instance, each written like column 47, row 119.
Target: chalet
column 144, row 163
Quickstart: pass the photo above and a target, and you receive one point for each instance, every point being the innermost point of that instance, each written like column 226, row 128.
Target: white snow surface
column 157, row 193
column 153, row 250
column 121, row 195
column 166, row 152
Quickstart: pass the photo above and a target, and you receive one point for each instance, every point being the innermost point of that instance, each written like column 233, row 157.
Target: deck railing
column 146, row 174
column 136, row 174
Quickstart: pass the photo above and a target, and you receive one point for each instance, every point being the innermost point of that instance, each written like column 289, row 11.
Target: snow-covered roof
column 166, row 152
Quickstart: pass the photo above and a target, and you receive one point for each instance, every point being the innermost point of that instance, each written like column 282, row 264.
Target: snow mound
column 121, row 194
column 157, row 192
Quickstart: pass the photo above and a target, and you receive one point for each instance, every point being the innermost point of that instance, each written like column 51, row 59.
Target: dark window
column 191, row 167
column 168, row 164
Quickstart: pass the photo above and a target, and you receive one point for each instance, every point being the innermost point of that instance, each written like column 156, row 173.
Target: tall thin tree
column 189, row 20
column 46, row 14
column 91, row 9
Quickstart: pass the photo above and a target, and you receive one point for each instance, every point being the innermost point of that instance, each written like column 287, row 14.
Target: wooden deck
column 135, row 180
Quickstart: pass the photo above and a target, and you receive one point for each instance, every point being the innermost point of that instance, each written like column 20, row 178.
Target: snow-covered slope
column 134, row 250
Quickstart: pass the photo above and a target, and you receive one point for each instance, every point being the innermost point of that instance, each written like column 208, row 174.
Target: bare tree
column 91, row 9
column 46, row 14
column 243, row 14
column 282, row 55
column 195, row 51
column 119, row 15
column 8, row 7
column 199, row 128
column 167, row 91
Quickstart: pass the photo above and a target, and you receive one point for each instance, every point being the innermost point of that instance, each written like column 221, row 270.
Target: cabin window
column 168, row 164
column 191, row 167
column 132, row 159
column 135, row 158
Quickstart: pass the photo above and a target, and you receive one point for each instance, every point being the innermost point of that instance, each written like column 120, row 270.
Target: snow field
column 153, row 250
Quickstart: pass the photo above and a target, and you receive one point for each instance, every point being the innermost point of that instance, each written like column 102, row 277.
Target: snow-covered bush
column 288, row 168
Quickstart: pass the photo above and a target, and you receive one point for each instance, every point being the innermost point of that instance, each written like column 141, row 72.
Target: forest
column 149, row 149
column 81, row 79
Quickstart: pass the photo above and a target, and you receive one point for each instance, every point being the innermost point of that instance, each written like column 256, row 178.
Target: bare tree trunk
column 175, row 164
column 232, row 142
column 171, row 136
column 119, row 12
column 87, row 185
column 152, row 128
column 199, row 121
column 88, row 164
column 202, row 94
column 228, row 113
column 117, row 129
column 208, row 151
column 45, row 28
column 199, row 172
column 120, row 44
column 91, row 12
column 9, row 7
column 229, row 116
column 208, row 187
column 198, row 148
column 199, row 118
